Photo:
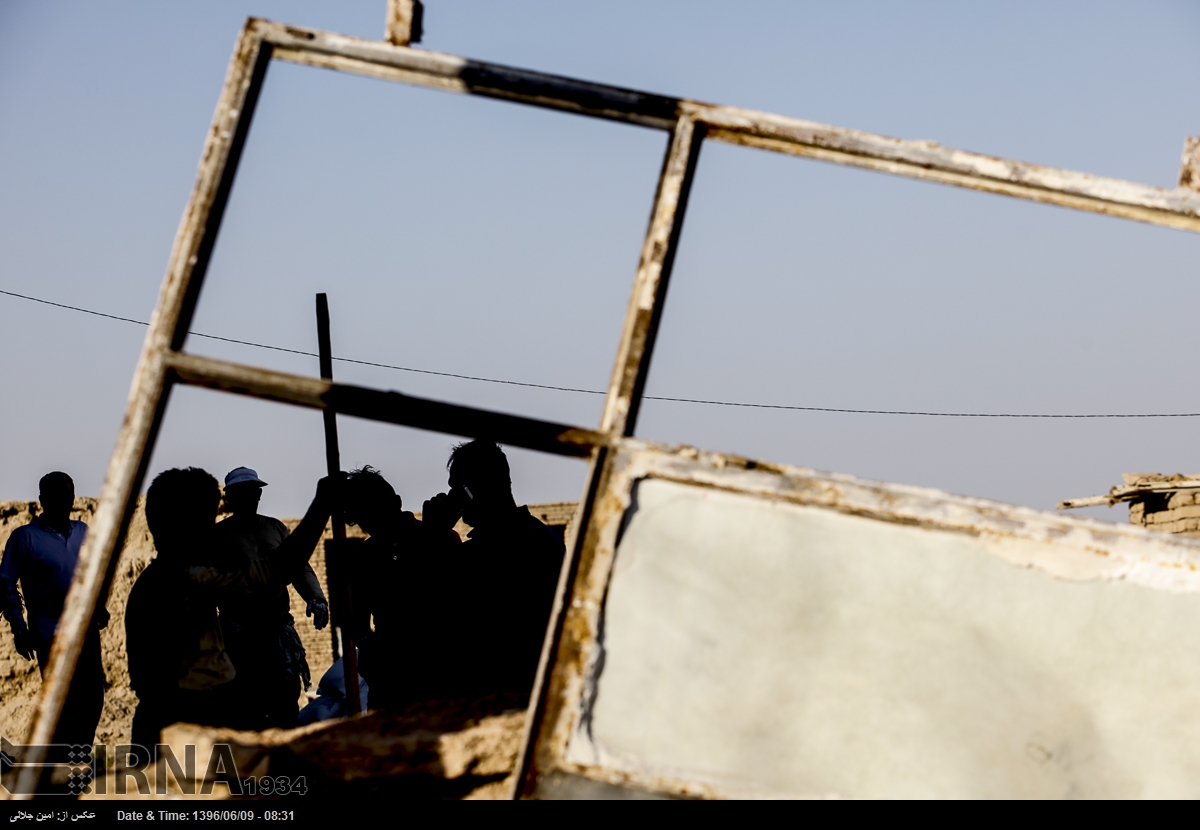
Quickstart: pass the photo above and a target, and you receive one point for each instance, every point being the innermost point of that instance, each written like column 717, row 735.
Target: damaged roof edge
column 1136, row 486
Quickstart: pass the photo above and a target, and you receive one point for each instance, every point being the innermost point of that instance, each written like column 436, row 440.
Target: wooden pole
column 336, row 572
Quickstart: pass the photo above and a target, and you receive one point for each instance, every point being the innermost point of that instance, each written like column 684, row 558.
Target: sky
column 484, row 238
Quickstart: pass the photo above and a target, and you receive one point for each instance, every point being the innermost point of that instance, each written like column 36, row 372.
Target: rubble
column 439, row 749
column 1170, row 503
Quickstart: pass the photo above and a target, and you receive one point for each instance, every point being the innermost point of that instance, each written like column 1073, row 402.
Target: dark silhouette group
column 452, row 618
column 209, row 634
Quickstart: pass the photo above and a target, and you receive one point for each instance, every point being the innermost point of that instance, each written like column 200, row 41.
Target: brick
column 1179, row 526
column 1182, row 498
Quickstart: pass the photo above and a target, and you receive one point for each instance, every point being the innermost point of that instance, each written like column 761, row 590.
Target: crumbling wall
column 20, row 680
column 1172, row 512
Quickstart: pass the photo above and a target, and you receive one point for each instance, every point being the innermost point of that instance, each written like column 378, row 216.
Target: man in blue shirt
column 41, row 558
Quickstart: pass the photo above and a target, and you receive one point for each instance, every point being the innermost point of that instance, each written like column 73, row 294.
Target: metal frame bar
column 403, row 22
column 926, row 160
column 162, row 362
column 389, row 407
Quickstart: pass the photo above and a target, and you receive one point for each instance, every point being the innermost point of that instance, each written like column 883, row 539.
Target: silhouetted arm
column 10, row 595
column 292, row 555
column 308, row 586
column 282, row 565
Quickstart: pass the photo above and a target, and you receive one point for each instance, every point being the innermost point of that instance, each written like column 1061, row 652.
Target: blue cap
column 243, row 475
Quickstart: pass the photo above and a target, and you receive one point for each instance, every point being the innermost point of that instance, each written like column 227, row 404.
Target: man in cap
column 41, row 558
column 178, row 661
column 260, row 633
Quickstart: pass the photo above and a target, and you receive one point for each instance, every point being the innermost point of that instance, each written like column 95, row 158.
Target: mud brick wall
column 1177, row 512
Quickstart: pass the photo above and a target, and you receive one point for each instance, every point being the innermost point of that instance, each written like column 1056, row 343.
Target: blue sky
column 485, row 238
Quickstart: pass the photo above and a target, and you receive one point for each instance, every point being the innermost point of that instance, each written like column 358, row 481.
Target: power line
column 304, row 353
column 598, row 392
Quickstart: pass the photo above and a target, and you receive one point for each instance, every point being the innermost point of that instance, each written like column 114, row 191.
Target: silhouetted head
column 181, row 510
column 480, row 480
column 370, row 502
column 243, row 499
column 56, row 492
column 243, row 491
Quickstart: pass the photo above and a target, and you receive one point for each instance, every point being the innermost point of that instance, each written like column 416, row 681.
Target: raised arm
column 288, row 560
column 285, row 562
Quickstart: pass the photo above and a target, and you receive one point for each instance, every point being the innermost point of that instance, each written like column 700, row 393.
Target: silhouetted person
column 508, row 567
column 260, row 634
column 178, row 664
column 453, row 620
column 397, row 579
column 41, row 557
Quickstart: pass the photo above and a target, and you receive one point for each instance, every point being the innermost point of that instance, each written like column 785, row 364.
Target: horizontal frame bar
column 435, row 70
column 925, row 160
column 389, row 407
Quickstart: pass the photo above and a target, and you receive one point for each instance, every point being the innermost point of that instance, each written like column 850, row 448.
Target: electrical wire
column 598, row 392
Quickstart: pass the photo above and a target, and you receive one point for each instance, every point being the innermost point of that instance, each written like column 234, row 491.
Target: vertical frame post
column 546, row 733
column 148, row 397
column 405, row 20
column 644, row 313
